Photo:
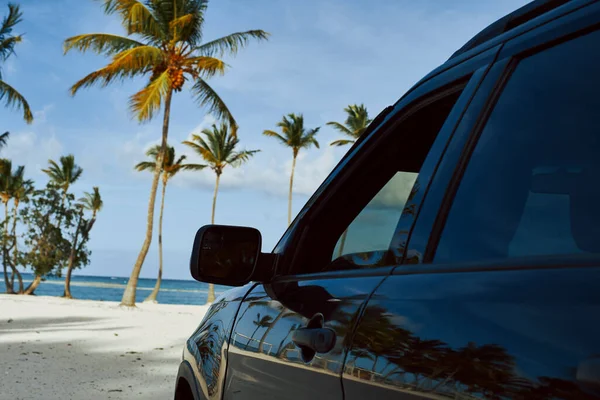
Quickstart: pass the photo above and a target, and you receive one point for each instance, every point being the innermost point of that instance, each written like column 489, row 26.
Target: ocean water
column 110, row 288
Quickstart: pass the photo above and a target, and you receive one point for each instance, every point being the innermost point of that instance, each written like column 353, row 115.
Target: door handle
column 320, row 340
column 314, row 338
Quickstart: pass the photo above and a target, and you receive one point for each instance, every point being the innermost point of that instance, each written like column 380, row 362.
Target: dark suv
column 453, row 253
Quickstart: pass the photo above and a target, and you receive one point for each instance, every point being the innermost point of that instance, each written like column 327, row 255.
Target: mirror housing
column 225, row 255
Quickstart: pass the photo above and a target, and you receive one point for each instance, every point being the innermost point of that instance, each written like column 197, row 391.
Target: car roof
column 514, row 19
column 505, row 28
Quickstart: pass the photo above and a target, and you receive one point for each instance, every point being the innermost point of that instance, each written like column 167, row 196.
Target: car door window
column 356, row 226
column 530, row 186
column 374, row 227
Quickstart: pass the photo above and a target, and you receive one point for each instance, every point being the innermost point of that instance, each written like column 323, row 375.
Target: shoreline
column 69, row 348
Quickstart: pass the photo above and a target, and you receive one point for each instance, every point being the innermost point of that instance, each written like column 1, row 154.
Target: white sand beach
column 53, row 348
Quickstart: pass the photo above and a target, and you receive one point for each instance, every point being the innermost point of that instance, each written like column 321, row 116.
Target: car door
column 290, row 339
column 500, row 298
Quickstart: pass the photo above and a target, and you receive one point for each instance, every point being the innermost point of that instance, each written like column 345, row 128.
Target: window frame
column 579, row 23
column 465, row 83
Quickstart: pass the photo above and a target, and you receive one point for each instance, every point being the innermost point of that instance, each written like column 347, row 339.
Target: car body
column 454, row 251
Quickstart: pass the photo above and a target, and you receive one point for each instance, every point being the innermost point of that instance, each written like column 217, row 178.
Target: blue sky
column 322, row 56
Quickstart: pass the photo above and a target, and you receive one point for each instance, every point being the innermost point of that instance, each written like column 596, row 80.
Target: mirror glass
column 225, row 254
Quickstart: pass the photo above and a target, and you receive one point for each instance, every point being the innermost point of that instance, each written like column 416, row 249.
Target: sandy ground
column 52, row 348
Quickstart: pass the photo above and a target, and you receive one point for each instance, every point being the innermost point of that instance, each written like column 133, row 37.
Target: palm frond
column 126, row 64
column 207, row 97
column 217, row 147
column 11, row 19
column 7, row 46
column 101, row 43
column 154, row 151
column 147, row 101
column 54, row 171
column 140, row 58
column 145, row 166
column 340, row 128
column 231, row 44
column 92, row 201
column 4, row 139
column 201, row 148
column 7, row 41
column 193, row 167
column 191, row 33
column 239, row 158
column 137, row 18
column 293, row 134
column 65, row 173
column 341, row 142
column 180, row 160
column 275, row 135
column 206, row 66
column 14, row 99
column 181, row 22
column 311, row 139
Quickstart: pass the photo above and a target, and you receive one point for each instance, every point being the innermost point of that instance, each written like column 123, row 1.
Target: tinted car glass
column 374, row 227
column 530, row 187
column 367, row 241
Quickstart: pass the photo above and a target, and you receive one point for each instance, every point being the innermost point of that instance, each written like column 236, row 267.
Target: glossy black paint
column 265, row 363
column 205, row 351
column 529, row 333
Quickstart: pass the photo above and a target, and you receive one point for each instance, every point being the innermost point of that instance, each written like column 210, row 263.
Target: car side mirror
column 225, row 255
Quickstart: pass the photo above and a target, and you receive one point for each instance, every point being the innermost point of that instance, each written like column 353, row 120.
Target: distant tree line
column 44, row 229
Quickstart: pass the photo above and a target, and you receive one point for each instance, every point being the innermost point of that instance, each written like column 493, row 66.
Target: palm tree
column 8, row 177
column 91, row 202
column 64, row 175
column 11, row 97
column 280, row 347
column 22, row 189
column 169, row 169
column 263, row 322
column 219, row 151
column 164, row 43
column 356, row 123
column 295, row 136
column 283, row 312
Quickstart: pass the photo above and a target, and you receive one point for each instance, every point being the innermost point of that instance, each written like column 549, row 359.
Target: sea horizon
column 110, row 288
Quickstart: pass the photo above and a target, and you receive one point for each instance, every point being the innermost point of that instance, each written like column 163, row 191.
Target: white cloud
column 32, row 150
column 41, row 116
column 269, row 172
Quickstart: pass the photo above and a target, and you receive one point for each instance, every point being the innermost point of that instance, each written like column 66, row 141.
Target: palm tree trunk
column 129, row 293
column 16, row 250
column 9, row 288
column 62, row 206
column 291, row 186
column 211, row 288
column 67, row 292
column 252, row 337
column 214, row 204
column 279, row 348
column 154, row 294
column 269, row 328
column 33, row 285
